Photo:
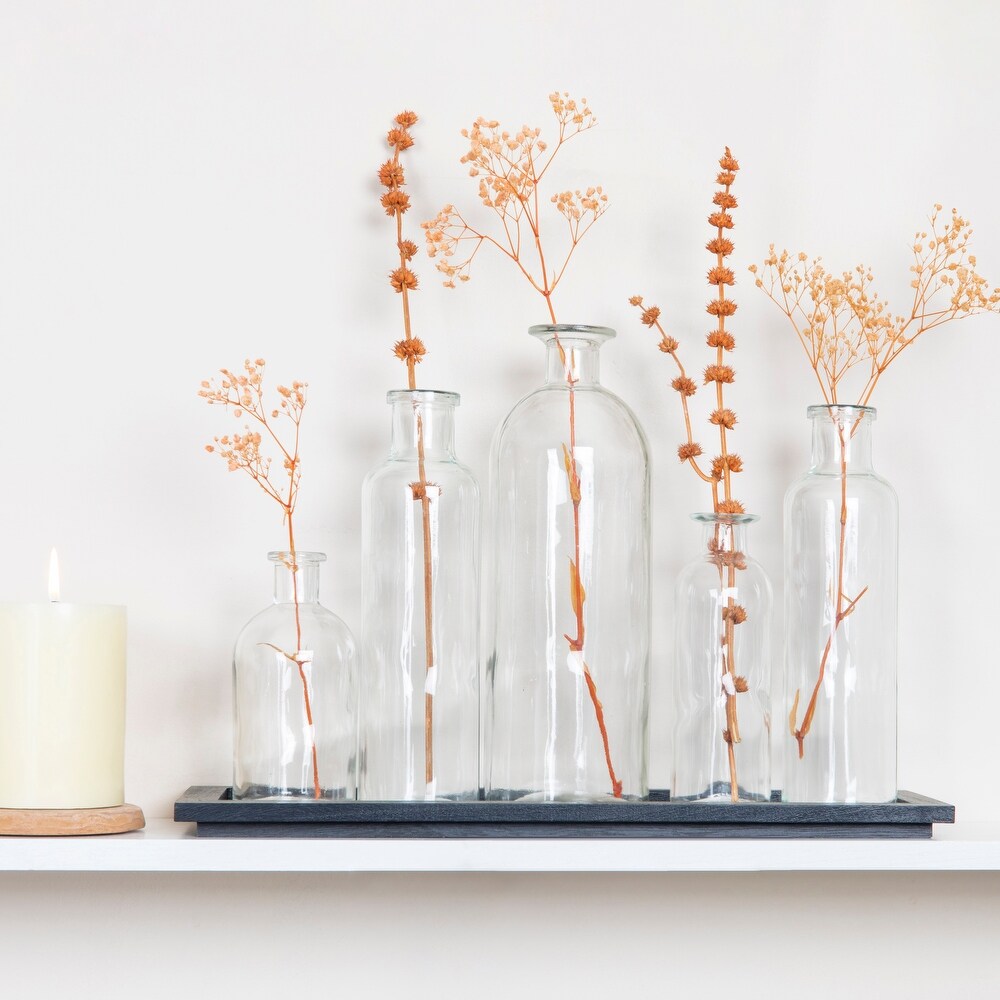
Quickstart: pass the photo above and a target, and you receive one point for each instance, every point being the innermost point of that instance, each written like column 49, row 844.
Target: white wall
column 186, row 184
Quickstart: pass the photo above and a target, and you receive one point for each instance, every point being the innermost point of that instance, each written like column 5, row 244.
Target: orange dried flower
column 688, row 451
column 721, row 307
column 730, row 507
column 741, row 685
column 721, row 338
column 395, row 201
column 719, row 373
column 391, row 174
column 724, row 199
column 410, row 350
column 650, row 316
column 406, row 119
column 725, row 178
column 668, row 345
column 684, row 385
column 737, row 614
column 723, row 417
column 402, row 278
column 407, row 249
column 721, row 276
column 721, row 220
column 399, row 138
column 720, row 245
column 728, row 162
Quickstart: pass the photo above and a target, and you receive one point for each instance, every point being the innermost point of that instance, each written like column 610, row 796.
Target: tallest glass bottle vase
column 568, row 671
column 841, row 527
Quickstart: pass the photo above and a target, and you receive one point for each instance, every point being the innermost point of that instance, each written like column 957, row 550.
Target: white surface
column 165, row 846
column 183, row 184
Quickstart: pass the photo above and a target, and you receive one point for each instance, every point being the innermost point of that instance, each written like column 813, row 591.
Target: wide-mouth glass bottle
column 294, row 693
column 722, row 670
column 839, row 704
column 567, row 688
column 420, row 570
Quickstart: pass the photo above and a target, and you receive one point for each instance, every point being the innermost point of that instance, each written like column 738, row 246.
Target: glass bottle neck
column 841, row 439
column 572, row 353
column 423, row 416
column 723, row 534
column 300, row 585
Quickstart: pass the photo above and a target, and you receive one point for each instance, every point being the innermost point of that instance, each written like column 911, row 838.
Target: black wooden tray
column 213, row 808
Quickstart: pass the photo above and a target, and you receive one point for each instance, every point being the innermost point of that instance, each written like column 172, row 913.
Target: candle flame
column 53, row 576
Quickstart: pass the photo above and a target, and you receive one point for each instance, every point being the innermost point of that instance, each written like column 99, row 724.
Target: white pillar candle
column 62, row 706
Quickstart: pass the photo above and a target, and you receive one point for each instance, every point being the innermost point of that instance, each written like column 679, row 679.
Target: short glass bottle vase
column 567, row 689
column 294, row 694
column 420, row 581
column 722, row 679
column 839, row 700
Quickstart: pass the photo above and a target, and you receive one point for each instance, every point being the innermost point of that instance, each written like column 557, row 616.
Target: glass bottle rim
column 570, row 331
column 441, row 396
column 831, row 409
column 711, row 517
column 283, row 556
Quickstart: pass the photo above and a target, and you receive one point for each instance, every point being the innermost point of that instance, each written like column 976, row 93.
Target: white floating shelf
column 165, row 846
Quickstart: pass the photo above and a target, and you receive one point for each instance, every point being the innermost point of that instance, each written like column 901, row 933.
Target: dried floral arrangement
column 411, row 351
column 719, row 474
column 510, row 167
column 243, row 395
column 847, row 331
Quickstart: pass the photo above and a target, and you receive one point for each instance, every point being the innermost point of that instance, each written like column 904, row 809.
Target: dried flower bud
column 688, row 451
column 407, row 249
column 723, row 417
column 741, row 685
column 406, row 119
column 399, row 138
column 721, row 338
column 719, row 373
column 728, row 162
column 737, row 614
column 650, row 316
column 391, row 174
column 721, row 220
column 395, row 201
column 720, row 245
column 402, row 278
column 721, row 276
column 684, row 385
column 668, row 344
column 721, row 307
column 410, row 351
column 724, row 199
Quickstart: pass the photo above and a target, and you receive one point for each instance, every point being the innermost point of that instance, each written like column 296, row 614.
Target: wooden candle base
column 70, row 822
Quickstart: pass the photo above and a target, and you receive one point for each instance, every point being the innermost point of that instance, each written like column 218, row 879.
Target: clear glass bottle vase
column 567, row 688
column 294, row 694
column 420, row 559
column 841, row 531
column 722, row 679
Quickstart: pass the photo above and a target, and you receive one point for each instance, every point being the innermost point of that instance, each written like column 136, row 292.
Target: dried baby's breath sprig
column 411, row 350
column 510, row 167
column 242, row 393
column 843, row 326
column 720, row 373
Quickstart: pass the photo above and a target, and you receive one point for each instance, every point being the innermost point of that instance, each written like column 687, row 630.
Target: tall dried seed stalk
column 720, row 373
column 411, row 351
column 510, row 167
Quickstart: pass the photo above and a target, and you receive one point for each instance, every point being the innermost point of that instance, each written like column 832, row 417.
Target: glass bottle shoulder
column 277, row 620
column 598, row 412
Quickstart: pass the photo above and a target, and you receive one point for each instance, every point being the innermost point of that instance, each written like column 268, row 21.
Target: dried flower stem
column 244, row 395
column 841, row 323
column 411, row 350
column 510, row 168
column 722, row 547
